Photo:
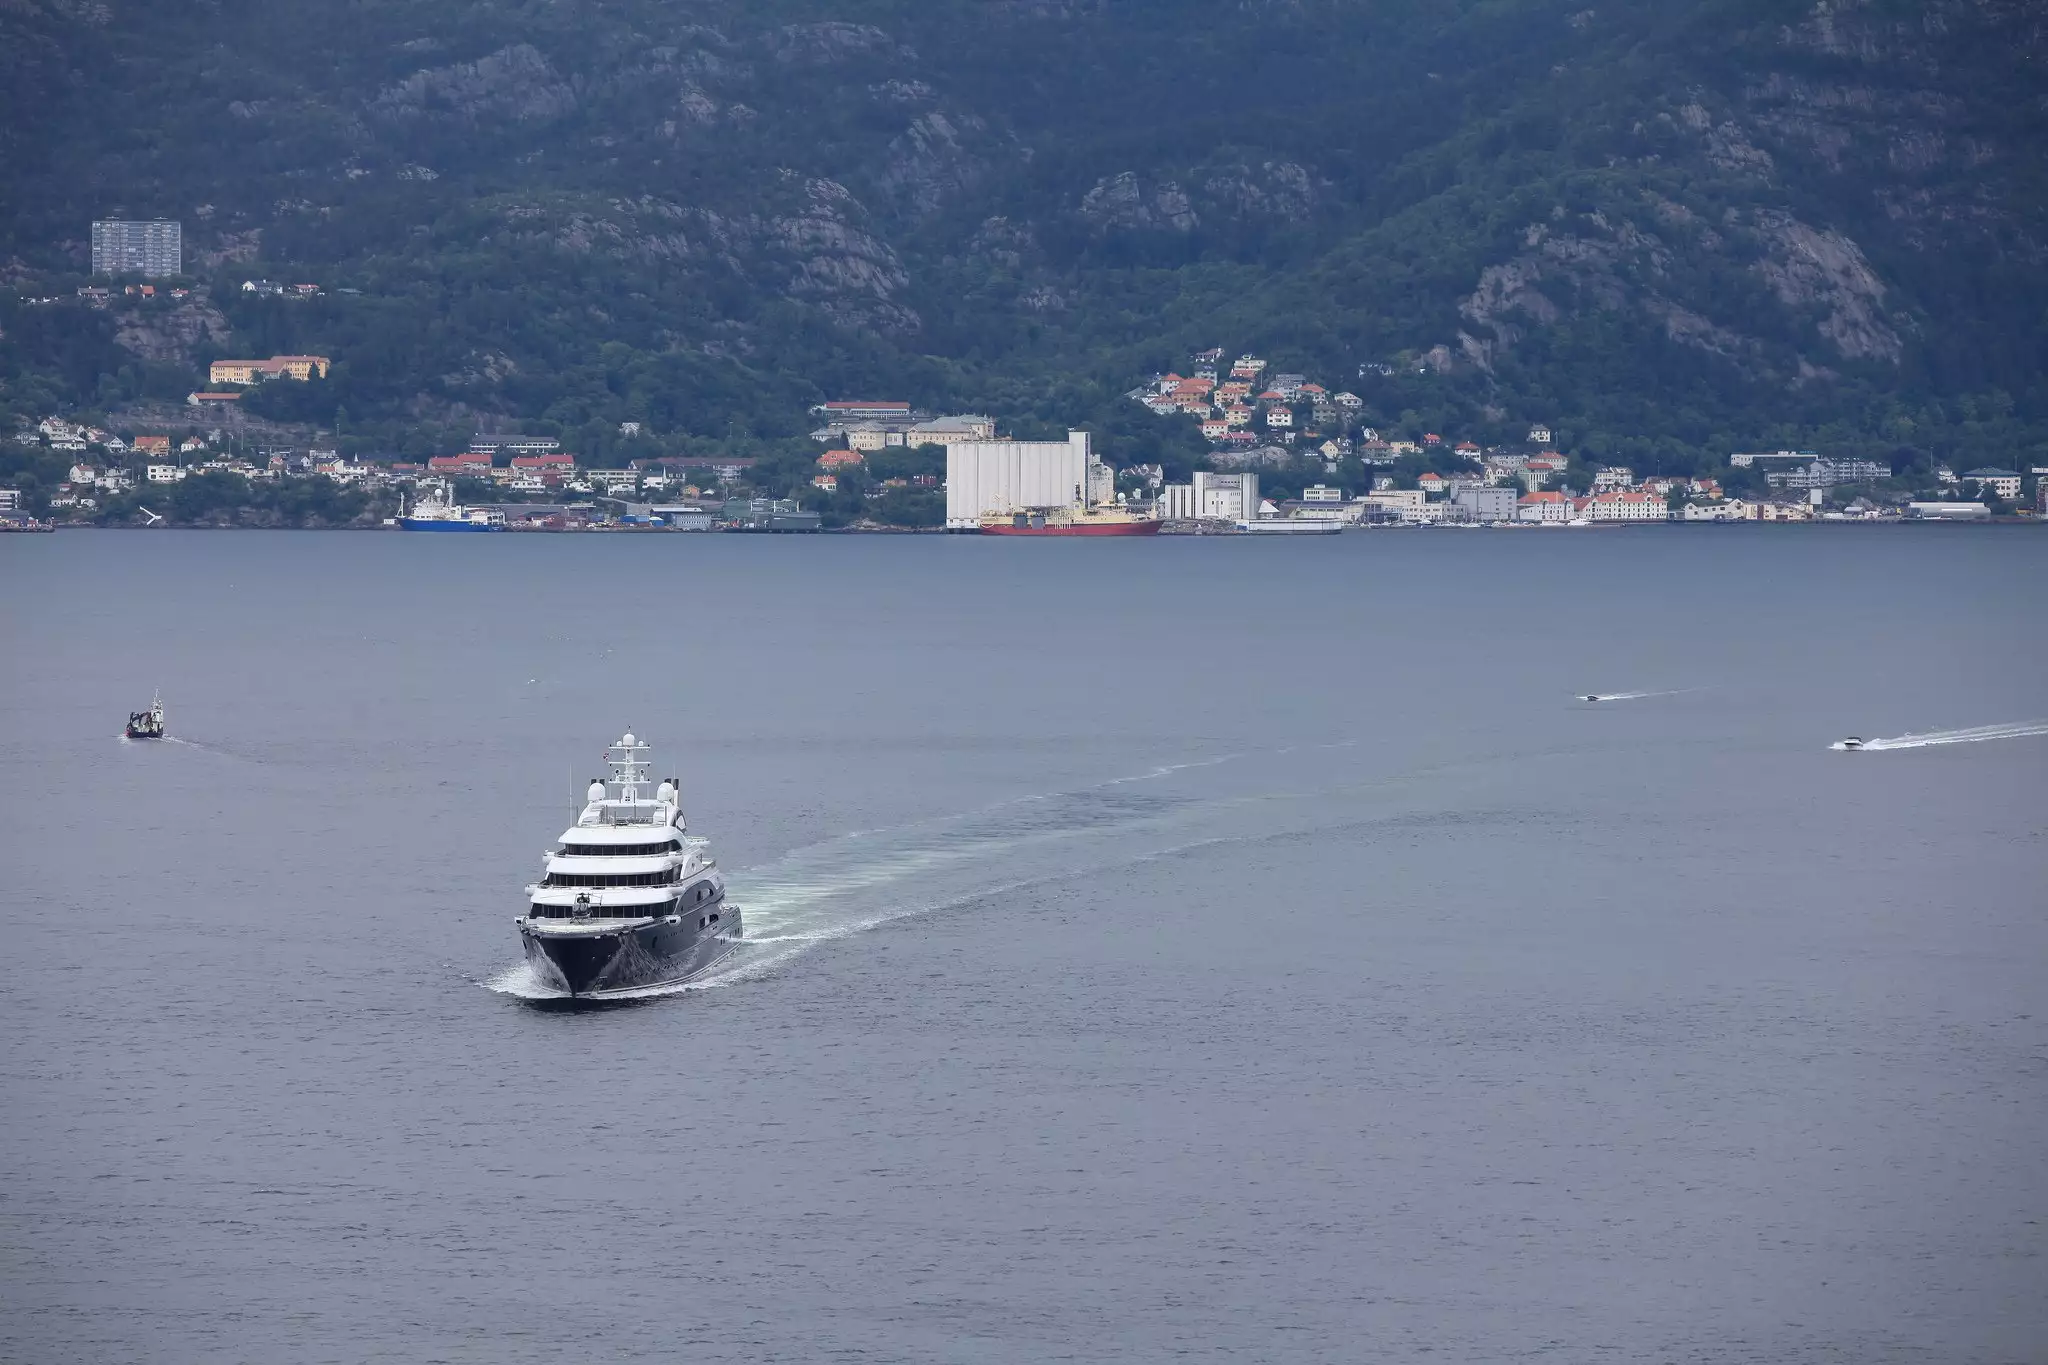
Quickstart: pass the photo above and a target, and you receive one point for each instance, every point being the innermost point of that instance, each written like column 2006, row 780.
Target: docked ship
column 630, row 899
column 147, row 724
column 1071, row 521
column 436, row 515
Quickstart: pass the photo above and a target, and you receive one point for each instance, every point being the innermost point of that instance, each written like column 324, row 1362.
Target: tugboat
column 147, row 724
column 630, row 899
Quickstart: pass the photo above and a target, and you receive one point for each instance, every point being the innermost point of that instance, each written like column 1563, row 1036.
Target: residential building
column 122, row 247
column 1433, row 482
column 152, row 445
column 868, row 438
column 839, row 459
column 864, row 409
column 2004, row 482
column 825, row 483
column 1627, row 504
column 1539, row 436
column 10, row 499
column 163, row 473
column 300, row 367
column 1321, row 492
column 201, row 400
column 1613, row 477
column 951, row 431
column 473, row 463
column 1543, row 507
column 1279, row 417
column 1823, row 473
column 1747, row 459
column 482, row 444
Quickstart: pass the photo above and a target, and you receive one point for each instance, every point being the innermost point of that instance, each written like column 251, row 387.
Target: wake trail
column 1974, row 734
column 1636, row 696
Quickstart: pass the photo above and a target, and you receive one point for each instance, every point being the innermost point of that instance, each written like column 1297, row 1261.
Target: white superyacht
column 630, row 900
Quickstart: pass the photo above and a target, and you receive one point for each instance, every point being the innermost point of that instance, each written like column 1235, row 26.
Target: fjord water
column 1192, row 949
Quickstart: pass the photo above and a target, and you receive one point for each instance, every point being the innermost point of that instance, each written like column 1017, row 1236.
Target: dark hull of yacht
column 599, row 962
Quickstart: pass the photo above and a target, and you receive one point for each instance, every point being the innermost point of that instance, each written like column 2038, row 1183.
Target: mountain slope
column 1668, row 229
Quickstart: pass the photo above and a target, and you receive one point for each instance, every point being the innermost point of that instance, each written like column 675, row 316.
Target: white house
column 1539, row 436
column 1544, row 507
column 1627, row 504
column 1279, row 417
column 165, row 473
column 1612, row 477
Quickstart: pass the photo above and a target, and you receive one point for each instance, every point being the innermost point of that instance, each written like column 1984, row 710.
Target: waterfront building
column 1486, row 503
column 1001, row 478
column 122, row 247
column 1543, row 507
column 2004, row 482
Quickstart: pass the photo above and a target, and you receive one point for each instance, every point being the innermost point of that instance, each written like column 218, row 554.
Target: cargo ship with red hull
column 1071, row 521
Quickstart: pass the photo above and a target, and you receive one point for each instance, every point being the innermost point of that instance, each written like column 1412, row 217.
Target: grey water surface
column 1206, row 949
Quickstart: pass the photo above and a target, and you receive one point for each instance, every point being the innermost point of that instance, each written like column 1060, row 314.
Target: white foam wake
column 1975, row 734
column 1635, row 696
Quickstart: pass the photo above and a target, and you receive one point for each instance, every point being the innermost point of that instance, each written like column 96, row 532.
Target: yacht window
column 619, row 850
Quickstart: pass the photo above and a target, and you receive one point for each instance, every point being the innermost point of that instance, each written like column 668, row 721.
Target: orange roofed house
column 839, row 459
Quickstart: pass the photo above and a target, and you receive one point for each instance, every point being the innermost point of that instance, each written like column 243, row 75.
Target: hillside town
column 1255, row 418
column 1285, row 455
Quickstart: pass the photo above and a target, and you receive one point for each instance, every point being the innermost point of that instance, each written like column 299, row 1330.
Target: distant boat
column 1853, row 742
column 435, row 515
column 1071, row 521
column 147, row 724
column 1290, row 526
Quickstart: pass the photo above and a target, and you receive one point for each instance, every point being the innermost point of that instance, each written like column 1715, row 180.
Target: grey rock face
column 932, row 159
column 514, row 83
column 1808, row 265
column 1275, row 189
column 1125, row 201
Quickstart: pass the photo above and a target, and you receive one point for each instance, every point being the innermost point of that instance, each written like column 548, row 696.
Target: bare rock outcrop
column 514, row 83
column 1128, row 202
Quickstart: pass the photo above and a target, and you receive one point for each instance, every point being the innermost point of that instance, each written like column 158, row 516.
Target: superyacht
column 630, row 900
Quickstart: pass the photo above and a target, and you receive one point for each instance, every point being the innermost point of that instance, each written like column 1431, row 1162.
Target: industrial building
column 135, row 248
column 1001, row 478
column 1211, row 497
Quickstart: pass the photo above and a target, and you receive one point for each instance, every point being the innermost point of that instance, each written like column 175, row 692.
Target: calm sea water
column 1190, row 950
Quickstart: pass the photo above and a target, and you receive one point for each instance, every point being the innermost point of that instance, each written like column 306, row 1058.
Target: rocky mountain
column 1668, row 229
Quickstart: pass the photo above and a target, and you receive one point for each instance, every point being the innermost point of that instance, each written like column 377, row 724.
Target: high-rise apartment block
column 127, row 248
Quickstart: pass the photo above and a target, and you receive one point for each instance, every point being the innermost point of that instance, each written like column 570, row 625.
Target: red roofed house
column 1432, row 482
column 1543, row 507
column 839, row 459
column 1432, row 439
column 153, row 445
column 559, row 462
column 469, row 462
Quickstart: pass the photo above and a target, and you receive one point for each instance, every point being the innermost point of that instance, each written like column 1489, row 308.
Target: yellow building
column 300, row 367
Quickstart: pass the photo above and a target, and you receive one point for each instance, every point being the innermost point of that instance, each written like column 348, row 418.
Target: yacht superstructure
column 630, row 899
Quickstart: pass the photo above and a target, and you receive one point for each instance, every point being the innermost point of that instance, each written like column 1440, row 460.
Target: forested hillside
column 1666, row 229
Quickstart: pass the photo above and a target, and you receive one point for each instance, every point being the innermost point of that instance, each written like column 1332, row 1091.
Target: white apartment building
column 1627, row 504
column 1544, row 507
column 1612, row 477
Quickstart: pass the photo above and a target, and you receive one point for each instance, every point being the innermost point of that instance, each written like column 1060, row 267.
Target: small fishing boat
column 147, row 724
